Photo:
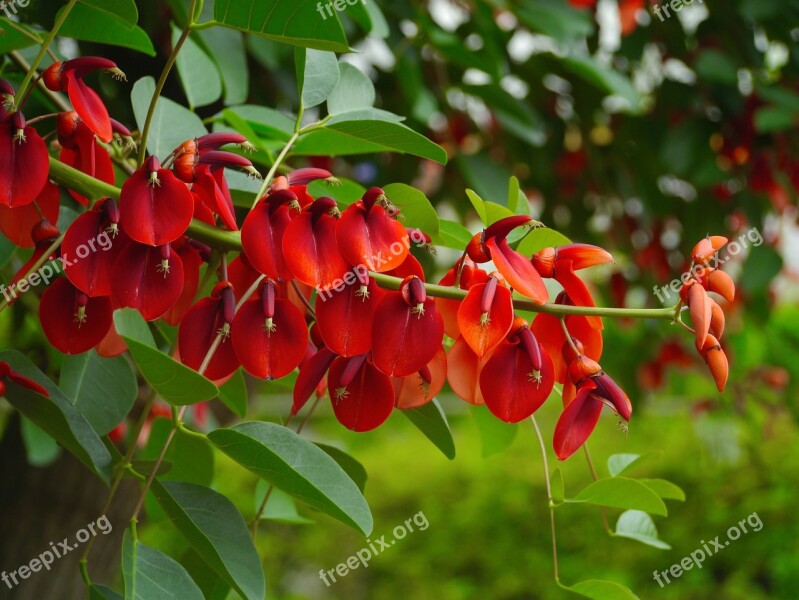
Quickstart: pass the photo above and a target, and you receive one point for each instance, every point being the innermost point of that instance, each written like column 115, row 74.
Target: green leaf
column 297, row 467
column 266, row 122
column 596, row 589
column 192, row 457
column 543, row 237
column 101, row 592
column 111, row 23
column 175, row 382
column 104, row 389
column 151, row 574
column 353, row 92
column 517, row 201
column 556, row 19
column 294, row 22
column 11, row 39
column 40, row 449
column 369, row 16
column 760, row 268
column 317, row 75
column 558, row 489
column 351, row 467
column 606, row 79
column 770, row 119
column 414, row 206
column 280, row 506
column 452, row 234
column 432, row 422
column 716, row 67
column 496, row 435
column 665, row 489
column 620, row 492
column 199, row 76
column 343, row 138
column 479, row 205
column 347, row 192
column 639, row 526
column 216, row 531
column 233, row 394
column 226, row 49
column 619, row 463
column 171, row 125
column 57, row 416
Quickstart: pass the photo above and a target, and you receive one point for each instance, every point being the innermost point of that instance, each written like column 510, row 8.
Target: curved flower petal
column 18, row 223
column 577, row 421
column 198, row 330
column 143, row 279
column 365, row 401
column 72, row 322
column 24, row 165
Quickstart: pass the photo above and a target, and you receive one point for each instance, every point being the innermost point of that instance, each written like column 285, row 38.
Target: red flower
column 17, row 223
column 417, row 389
column 24, row 162
column 192, row 260
column 362, row 396
column 518, row 377
column 470, row 275
column 409, row 332
column 147, row 278
column 155, row 207
column 464, row 368
column 581, row 415
column 369, row 236
column 9, row 375
column 73, row 322
column 263, row 230
column 486, row 315
column 80, row 150
column 68, row 77
column 312, row 373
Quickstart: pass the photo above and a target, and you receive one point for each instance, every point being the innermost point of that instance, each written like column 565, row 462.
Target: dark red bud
column 371, row 196
column 352, row 368
column 268, row 294
column 307, row 175
column 488, row 294
column 531, row 347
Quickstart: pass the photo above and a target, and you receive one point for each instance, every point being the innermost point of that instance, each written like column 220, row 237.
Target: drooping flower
column 417, row 389
column 71, row 321
column 68, row 77
column 716, row 360
column 486, row 315
column 81, row 150
column 312, row 373
column 24, row 162
column 470, row 275
column 361, row 394
column 147, row 278
column 17, row 223
column 262, row 233
column 463, row 372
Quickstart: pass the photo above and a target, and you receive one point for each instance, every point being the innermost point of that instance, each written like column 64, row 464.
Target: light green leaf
column 111, row 23
column 266, row 122
column 317, row 75
column 496, row 435
column 452, row 234
column 414, row 206
column 227, row 51
column 198, row 73
column 347, row 192
column 432, row 422
column 344, row 138
column 543, row 237
column 665, row 489
column 558, row 489
column 56, row 415
column 354, row 91
column 233, row 394
column 150, row 574
column 279, row 507
column 597, row 589
column 171, row 125
column 365, row 114
column 40, row 449
column 297, row 467
column 639, row 526
column 619, row 463
column 103, row 389
column 294, row 22
column 216, row 531
column 620, row 492
column 770, row 119
column 175, row 382
column 351, row 467
column 101, row 592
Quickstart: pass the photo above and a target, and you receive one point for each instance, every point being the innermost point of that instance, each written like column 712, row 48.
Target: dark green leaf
column 150, row 574
column 104, row 389
column 556, row 19
column 496, row 435
column 297, row 467
column 606, row 79
column 233, row 394
column 351, row 467
column 175, row 382
column 216, row 531
column 111, row 23
column 620, row 492
column 294, row 22
column 101, row 592
column 279, row 507
column 56, row 415
column 11, row 39
column 432, row 422
column 266, row 122
column 192, row 457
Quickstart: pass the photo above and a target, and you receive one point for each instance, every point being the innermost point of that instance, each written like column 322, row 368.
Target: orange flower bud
column 701, row 313
column 716, row 360
column 719, row 282
column 583, row 367
column 544, row 261
column 717, row 319
column 707, row 248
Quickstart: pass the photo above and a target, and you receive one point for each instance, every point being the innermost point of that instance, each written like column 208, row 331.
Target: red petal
column 192, row 261
column 405, row 342
column 212, row 189
column 372, row 239
column 197, row 333
column 577, row 421
column 91, row 271
column 241, row 274
column 312, row 372
column 265, row 354
column 583, row 256
column 112, row 344
column 463, row 372
column 414, row 391
column 17, row 223
column 548, row 331
column 58, row 314
column 311, row 252
column 345, row 318
column 576, row 289
column 89, row 106
column 155, row 214
column 409, row 267
column 23, row 166
column 510, row 387
column 484, row 336
column 262, row 239
column 518, row 271
column 366, row 401
column 140, row 281
column 88, row 157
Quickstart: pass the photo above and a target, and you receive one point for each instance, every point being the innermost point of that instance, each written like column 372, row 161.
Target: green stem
column 549, row 497
column 43, row 50
column 275, row 165
column 231, row 240
column 159, row 87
